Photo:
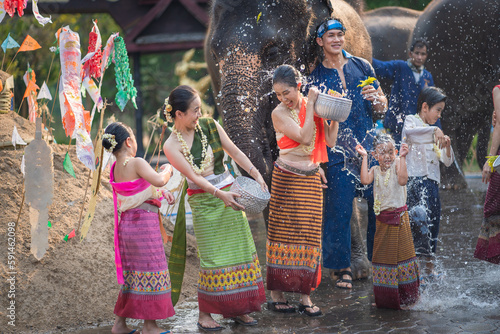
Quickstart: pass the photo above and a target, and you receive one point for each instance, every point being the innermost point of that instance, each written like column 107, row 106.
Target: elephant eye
column 272, row 53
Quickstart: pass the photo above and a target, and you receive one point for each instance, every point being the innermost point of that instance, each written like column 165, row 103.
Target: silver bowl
column 333, row 108
column 253, row 198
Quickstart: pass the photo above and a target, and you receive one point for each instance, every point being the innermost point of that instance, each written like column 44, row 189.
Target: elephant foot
column 361, row 268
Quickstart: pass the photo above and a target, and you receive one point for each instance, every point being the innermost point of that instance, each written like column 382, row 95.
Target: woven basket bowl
column 496, row 164
column 252, row 197
column 333, row 108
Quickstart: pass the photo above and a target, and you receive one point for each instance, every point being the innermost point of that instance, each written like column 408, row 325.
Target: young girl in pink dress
column 141, row 264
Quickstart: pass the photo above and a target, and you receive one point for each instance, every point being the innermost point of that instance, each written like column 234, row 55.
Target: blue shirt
column 404, row 92
column 360, row 122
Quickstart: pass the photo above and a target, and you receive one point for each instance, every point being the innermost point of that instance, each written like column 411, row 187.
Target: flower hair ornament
column 111, row 140
column 168, row 109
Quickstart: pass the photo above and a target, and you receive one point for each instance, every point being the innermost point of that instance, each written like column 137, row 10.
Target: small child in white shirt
column 427, row 147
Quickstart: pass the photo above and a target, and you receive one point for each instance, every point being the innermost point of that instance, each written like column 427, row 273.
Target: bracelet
column 215, row 191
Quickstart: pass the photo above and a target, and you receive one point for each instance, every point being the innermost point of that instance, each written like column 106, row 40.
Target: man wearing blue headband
column 408, row 79
column 343, row 73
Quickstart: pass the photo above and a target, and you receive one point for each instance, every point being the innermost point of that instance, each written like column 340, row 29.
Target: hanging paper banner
column 2, row 13
column 68, row 165
column 124, row 81
column 29, row 44
column 16, row 138
column 91, row 87
column 70, row 235
column 108, row 51
column 44, row 92
column 30, row 94
column 42, row 20
column 11, row 6
column 84, row 148
column 92, row 61
column 72, row 112
column 9, row 42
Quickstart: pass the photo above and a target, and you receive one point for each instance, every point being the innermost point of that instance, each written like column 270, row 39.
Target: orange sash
column 319, row 153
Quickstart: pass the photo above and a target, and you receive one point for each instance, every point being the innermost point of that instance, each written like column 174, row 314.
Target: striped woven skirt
column 394, row 265
column 294, row 232
column 146, row 292
column 488, row 243
column 230, row 280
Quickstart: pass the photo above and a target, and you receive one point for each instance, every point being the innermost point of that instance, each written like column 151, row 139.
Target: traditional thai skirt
column 394, row 264
column 294, row 232
column 146, row 292
column 230, row 281
column 488, row 243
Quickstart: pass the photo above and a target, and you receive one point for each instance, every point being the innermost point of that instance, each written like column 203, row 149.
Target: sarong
column 394, row 265
column 488, row 243
column 294, row 232
column 230, row 279
column 146, row 292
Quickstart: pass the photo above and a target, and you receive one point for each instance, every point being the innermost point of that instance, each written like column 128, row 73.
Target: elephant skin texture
column 464, row 41
column 246, row 40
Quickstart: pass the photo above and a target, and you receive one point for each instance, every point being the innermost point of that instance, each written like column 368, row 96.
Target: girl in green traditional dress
column 230, row 280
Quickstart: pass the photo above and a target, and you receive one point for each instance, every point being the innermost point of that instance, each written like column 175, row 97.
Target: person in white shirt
column 427, row 147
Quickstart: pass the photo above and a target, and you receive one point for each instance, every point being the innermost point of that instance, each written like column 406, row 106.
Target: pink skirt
column 146, row 292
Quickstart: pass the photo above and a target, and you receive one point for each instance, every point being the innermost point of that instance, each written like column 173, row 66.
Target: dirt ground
column 74, row 284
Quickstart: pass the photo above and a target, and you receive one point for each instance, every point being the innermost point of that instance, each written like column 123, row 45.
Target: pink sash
column 126, row 189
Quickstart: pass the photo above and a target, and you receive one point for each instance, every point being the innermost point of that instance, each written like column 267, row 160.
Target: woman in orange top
column 296, row 206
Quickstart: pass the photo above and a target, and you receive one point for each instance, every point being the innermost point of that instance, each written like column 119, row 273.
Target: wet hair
column 383, row 138
column 419, row 43
column 431, row 96
column 287, row 75
column 121, row 133
column 329, row 24
column 180, row 99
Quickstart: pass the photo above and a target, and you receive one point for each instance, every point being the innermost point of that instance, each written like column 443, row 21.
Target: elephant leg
column 360, row 265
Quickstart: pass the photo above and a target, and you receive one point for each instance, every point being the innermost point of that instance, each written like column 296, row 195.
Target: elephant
column 390, row 28
column 464, row 39
column 246, row 40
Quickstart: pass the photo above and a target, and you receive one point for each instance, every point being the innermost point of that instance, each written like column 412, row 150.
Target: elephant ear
column 328, row 4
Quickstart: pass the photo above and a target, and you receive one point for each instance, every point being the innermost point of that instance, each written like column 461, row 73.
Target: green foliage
column 413, row 4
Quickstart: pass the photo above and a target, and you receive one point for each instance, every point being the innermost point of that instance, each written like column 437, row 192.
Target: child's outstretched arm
column 144, row 170
column 366, row 176
column 401, row 169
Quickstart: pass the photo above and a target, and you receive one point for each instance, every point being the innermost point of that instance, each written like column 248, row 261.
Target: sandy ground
column 74, row 284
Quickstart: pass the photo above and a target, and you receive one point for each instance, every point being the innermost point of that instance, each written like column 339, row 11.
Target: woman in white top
column 427, row 147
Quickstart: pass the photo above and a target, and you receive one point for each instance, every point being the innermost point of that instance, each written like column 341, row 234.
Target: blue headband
column 329, row 25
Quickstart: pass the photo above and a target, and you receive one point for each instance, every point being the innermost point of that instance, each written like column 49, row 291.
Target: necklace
column 435, row 148
column 205, row 158
column 295, row 117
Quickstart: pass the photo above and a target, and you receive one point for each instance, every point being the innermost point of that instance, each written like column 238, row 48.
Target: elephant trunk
column 245, row 118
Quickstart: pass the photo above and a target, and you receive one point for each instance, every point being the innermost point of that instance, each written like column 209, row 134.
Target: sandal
column 209, row 329
column 303, row 309
column 272, row 307
column 245, row 323
column 344, row 280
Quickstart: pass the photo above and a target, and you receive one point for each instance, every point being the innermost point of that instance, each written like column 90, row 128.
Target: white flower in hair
column 168, row 109
column 111, row 139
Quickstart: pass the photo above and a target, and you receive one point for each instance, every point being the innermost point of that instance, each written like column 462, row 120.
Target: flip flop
column 249, row 323
column 209, row 329
column 344, row 280
column 303, row 309
column 272, row 306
